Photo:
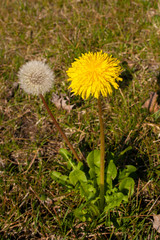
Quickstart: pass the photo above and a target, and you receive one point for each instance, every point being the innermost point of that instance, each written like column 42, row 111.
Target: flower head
column 93, row 74
column 35, row 77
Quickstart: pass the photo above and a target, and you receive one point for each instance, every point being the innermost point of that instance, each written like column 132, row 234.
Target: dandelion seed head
column 35, row 77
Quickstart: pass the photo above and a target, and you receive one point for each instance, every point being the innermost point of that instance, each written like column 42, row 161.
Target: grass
column 32, row 206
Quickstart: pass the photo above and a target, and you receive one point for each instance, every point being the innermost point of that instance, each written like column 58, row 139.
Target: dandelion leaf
column 63, row 179
column 126, row 186
column 77, row 176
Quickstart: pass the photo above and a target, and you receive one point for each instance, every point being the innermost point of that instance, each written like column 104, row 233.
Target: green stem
column 59, row 129
column 102, row 149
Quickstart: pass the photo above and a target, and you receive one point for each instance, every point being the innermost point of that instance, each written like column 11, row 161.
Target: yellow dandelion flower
column 94, row 74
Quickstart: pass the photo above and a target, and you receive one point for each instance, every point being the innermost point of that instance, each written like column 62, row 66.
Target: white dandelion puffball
column 35, row 77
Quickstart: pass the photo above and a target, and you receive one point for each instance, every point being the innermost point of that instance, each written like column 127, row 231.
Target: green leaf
column 93, row 160
column 77, row 176
column 111, row 170
column 111, row 173
column 127, row 172
column 127, row 186
column 63, row 179
column 65, row 154
column 113, row 200
column 93, row 209
column 87, row 211
column 80, row 213
column 79, row 166
column 87, row 190
column 125, row 150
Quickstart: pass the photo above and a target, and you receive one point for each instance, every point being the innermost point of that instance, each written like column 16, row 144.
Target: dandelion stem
column 102, row 156
column 59, row 129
